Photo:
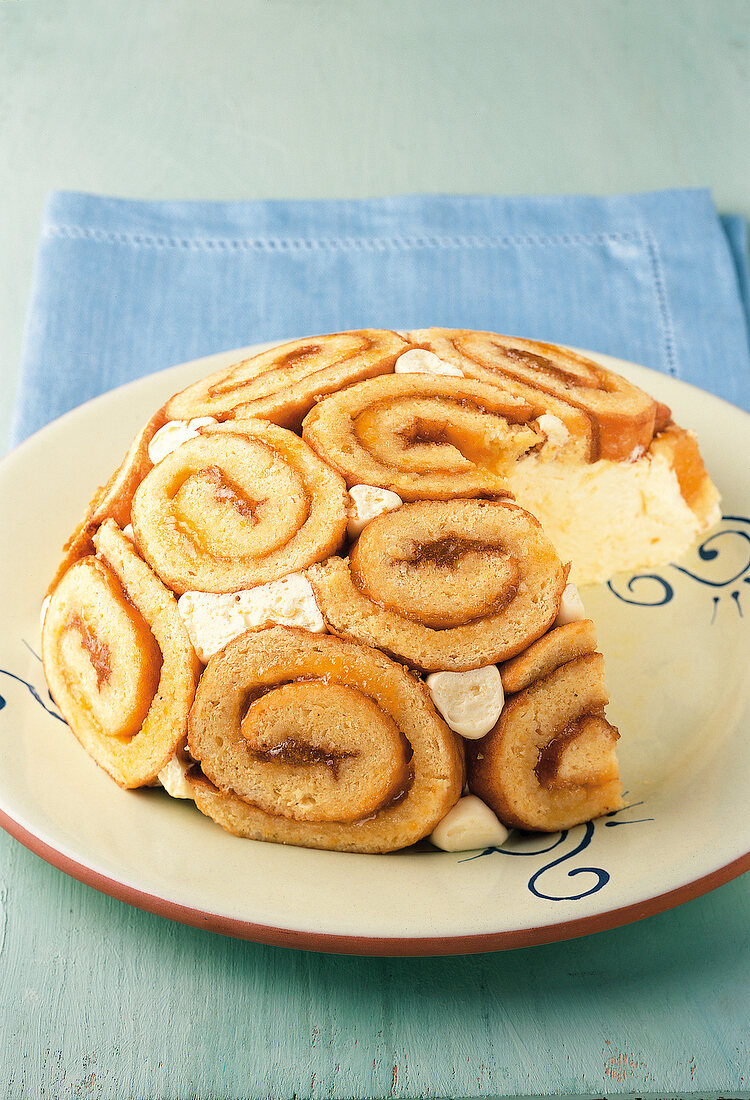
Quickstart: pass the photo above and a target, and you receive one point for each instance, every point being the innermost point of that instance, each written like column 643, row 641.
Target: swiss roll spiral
column 607, row 416
column 315, row 741
column 450, row 585
column 118, row 660
column 422, row 437
column 242, row 503
column 550, row 761
column 283, row 383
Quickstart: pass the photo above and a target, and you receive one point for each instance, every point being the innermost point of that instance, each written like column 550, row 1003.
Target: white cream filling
column 571, row 607
column 470, row 824
column 421, row 361
column 470, row 702
column 554, row 429
column 173, row 434
column 213, row 619
column 367, row 502
column 173, row 778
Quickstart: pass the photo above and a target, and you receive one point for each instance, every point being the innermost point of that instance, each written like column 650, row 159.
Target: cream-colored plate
column 676, row 644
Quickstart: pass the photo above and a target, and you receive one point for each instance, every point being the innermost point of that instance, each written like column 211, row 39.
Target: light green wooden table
column 288, row 98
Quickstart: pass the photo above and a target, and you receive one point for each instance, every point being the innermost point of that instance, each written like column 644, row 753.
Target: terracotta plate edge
column 392, row 946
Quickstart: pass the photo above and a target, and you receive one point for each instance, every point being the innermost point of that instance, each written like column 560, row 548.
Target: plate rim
column 336, row 942
column 374, row 946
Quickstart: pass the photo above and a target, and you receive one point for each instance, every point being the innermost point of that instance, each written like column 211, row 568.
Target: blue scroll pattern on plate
column 39, row 695
column 725, row 557
column 581, row 841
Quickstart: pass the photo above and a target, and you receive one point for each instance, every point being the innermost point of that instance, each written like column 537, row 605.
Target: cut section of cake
column 617, row 485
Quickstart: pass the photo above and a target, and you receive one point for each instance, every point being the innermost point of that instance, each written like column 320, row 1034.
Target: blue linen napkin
column 124, row 288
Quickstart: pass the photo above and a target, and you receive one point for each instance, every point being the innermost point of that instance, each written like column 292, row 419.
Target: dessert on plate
column 330, row 592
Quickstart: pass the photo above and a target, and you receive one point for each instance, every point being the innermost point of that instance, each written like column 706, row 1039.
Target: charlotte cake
column 328, row 595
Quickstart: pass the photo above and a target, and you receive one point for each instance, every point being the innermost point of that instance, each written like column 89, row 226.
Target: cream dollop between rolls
column 470, row 702
column 173, row 778
column 469, row 825
column 367, row 502
column 214, row 619
column 420, row 361
column 173, row 434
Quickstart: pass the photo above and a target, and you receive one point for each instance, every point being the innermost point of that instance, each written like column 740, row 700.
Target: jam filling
column 309, row 351
column 544, row 366
column 550, row 755
column 293, row 752
column 98, row 652
column 423, row 431
column 226, row 492
column 447, row 552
